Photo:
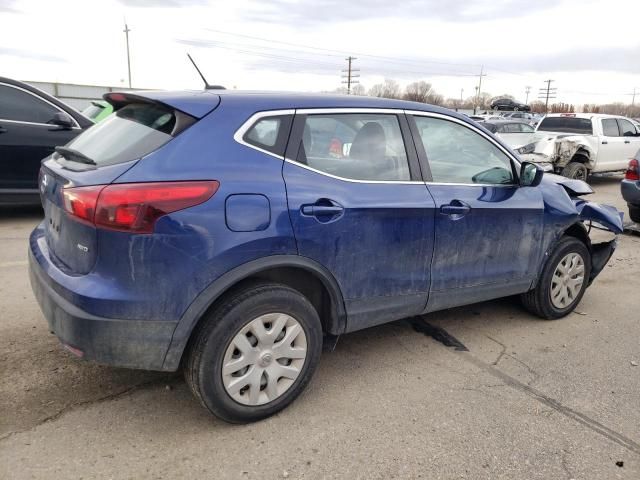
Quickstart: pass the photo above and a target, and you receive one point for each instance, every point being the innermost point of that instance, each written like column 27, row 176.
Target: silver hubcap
column 567, row 280
column 264, row 359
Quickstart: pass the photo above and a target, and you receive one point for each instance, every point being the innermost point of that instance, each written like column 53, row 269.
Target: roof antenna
column 206, row 84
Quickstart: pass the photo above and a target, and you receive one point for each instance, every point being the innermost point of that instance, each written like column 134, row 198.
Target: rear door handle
column 605, row 143
column 322, row 209
column 2, row 129
column 455, row 208
column 627, row 141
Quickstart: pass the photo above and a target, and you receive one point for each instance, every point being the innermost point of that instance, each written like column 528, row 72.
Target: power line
column 343, row 52
column 350, row 73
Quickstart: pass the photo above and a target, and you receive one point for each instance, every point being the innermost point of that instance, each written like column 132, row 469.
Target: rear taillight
column 633, row 170
column 134, row 207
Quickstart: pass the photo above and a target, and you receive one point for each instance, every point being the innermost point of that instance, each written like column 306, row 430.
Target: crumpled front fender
column 605, row 215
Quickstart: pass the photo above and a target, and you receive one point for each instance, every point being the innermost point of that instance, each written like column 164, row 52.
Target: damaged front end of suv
column 597, row 225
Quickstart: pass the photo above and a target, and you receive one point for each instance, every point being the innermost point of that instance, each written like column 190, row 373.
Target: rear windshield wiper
column 74, row 155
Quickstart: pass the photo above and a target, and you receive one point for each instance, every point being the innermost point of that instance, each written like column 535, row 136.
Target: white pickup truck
column 577, row 144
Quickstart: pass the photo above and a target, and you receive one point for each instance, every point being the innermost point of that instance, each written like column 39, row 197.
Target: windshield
column 566, row 125
column 135, row 130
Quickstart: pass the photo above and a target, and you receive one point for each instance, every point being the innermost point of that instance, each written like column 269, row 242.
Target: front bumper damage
column 602, row 217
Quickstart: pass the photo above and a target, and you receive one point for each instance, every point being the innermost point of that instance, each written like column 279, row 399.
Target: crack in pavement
column 74, row 406
column 568, row 412
column 447, row 339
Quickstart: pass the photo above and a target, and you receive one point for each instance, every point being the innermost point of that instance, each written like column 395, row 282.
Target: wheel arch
column 300, row 273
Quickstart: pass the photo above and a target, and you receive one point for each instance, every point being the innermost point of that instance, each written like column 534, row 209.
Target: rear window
column 132, row 132
column 566, row 125
column 93, row 110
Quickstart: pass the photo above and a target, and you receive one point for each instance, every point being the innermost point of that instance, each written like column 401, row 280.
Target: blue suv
column 231, row 233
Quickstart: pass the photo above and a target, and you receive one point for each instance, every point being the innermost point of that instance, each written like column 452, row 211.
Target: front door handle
column 605, row 143
column 2, row 129
column 456, row 208
column 627, row 141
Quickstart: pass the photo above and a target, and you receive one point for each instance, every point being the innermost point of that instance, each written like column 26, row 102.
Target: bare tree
column 358, row 89
column 418, row 91
column 388, row 89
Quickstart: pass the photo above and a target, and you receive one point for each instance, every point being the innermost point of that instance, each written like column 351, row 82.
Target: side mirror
column 61, row 120
column 530, row 174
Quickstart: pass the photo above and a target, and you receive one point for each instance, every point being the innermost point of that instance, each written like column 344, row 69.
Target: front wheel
column 255, row 353
column 576, row 171
column 563, row 281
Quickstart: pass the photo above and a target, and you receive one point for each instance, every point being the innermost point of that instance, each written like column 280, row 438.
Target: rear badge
column 83, row 248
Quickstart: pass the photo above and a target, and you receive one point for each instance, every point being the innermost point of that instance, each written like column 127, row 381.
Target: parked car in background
column 98, row 110
column 630, row 187
column 577, row 144
column 518, row 116
column 229, row 232
column 32, row 124
column 519, row 135
column 508, row 104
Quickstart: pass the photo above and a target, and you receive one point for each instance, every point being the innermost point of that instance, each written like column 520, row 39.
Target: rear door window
column 21, row 106
column 358, row 146
column 610, row 127
column 132, row 132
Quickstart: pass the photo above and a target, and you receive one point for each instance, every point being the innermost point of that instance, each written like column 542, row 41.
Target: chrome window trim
column 22, row 122
column 77, row 125
column 356, row 110
column 353, row 180
column 244, row 128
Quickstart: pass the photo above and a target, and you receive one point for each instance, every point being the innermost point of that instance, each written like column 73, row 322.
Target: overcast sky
column 591, row 48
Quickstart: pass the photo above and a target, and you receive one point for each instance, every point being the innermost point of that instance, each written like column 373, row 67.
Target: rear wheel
column 576, row 171
column 255, row 353
column 563, row 281
column 634, row 213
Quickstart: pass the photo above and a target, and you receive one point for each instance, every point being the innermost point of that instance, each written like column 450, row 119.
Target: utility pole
column 126, row 33
column 527, row 91
column 479, row 88
column 349, row 74
column 633, row 98
column 547, row 93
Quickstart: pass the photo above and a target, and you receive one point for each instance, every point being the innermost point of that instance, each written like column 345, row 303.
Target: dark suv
column 229, row 233
column 32, row 124
column 508, row 104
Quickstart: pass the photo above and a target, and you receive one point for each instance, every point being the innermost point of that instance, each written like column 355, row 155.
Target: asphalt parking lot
column 529, row 399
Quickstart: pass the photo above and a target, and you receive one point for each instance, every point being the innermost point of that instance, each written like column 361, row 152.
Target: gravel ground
column 529, row 399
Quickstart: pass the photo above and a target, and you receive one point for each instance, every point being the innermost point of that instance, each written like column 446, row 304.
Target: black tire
column 576, row 171
column 203, row 366
column 538, row 301
column 634, row 213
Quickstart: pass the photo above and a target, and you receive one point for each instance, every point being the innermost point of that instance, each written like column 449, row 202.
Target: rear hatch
column 72, row 178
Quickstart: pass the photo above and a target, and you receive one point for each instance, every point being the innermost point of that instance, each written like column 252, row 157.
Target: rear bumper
column 139, row 344
column 631, row 191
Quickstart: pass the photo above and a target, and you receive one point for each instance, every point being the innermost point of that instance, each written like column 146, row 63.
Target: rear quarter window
column 580, row 126
column 269, row 133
